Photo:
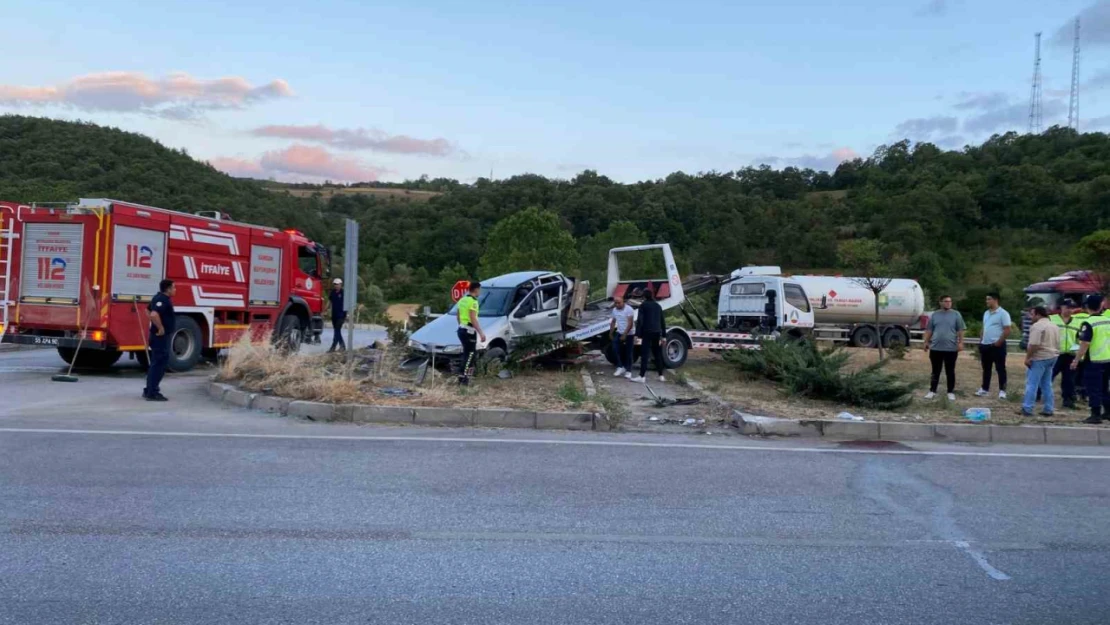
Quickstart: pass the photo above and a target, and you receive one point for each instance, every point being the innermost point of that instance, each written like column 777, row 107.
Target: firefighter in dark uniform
column 161, row 331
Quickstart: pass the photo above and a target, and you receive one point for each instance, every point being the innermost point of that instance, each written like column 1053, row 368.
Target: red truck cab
column 1073, row 285
column 83, row 274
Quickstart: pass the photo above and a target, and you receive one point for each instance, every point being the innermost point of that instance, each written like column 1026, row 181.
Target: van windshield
column 492, row 302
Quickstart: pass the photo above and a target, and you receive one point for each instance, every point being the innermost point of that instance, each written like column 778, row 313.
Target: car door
column 540, row 312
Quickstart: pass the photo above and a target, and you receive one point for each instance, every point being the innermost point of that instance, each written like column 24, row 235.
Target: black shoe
column 464, row 382
column 156, row 397
column 1093, row 420
column 1048, row 414
column 1070, row 405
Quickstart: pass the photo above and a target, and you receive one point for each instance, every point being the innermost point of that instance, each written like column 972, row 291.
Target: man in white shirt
column 622, row 327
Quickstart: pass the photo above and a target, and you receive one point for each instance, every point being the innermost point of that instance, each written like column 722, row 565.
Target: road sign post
column 350, row 286
column 460, row 289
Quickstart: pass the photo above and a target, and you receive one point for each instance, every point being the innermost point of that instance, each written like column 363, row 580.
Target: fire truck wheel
column 185, row 345
column 289, row 333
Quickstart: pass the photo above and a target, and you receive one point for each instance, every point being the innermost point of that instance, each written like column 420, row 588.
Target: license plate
column 45, row 340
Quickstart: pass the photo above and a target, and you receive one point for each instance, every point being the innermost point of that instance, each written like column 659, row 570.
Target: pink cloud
column 175, row 96
column 844, row 154
column 238, row 167
column 358, row 139
column 301, row 163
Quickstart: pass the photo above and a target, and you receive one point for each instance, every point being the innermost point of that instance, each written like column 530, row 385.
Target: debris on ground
column 977, row 415
column 847, row 416
column 394, row 391
column 692, row 422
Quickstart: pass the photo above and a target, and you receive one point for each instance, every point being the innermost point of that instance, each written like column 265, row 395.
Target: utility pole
column 1073, row 105
column 1036, row 121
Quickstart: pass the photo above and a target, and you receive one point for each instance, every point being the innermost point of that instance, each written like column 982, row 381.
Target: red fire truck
column 83, row 273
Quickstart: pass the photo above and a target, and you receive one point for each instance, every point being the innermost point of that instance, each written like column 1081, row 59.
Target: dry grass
column 762, row 397
column 259, row 367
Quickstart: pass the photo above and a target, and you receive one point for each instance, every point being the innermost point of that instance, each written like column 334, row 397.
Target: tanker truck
column 843, row 311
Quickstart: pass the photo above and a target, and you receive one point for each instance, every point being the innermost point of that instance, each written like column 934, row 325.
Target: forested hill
column 1000, row 214
column 44, row 160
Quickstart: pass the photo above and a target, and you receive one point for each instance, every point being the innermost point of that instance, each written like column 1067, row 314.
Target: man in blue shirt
column 992, row 348
column 338, row 315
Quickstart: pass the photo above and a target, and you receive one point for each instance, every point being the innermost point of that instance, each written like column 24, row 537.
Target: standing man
column 1040, row 360
column 338, row 315
column 1094, row 348
column 162, row 323
column 992, row 348
column 623, row 330
column 651, row 329
column 470, row 332
column 944, row 340
column 1069, row 344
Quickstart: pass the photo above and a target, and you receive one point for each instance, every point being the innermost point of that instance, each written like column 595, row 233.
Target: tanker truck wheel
column 895, row 336
column 865, row 336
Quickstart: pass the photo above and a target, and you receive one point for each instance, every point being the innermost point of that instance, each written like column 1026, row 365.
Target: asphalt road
column 113, row 510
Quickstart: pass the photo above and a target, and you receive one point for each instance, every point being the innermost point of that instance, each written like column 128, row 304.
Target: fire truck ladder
column 7, row 243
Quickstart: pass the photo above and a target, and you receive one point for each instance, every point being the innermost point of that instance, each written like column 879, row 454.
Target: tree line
column 995, row 215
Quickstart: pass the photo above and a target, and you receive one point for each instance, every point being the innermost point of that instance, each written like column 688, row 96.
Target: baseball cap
column 1069, row 302
column 1094, row 301
column 337, row 281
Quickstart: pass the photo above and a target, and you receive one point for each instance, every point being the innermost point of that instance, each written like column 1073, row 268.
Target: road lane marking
column 395, row 534
column 981, row 560
column 584, row 443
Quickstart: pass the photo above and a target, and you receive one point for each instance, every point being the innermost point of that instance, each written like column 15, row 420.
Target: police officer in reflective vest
column 470, row 332
column 1094, row 346
column 1069, row 345
column 1080, row 315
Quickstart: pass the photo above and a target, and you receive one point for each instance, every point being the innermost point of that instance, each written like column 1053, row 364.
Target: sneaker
column 1093, row 420
column 951, row 397
column 619, row 372
column 158, row 397
column 662, row 378
column 981, row 393
column 1002, row 394
column 1048, row 414
column 628, row 375
column 930, row 395
column 1023, row 413
column 640, row 379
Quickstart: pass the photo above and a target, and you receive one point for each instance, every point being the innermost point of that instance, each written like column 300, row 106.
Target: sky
column 348, row 91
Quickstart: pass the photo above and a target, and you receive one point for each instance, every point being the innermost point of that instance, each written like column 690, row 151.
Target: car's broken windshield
column 492, row 302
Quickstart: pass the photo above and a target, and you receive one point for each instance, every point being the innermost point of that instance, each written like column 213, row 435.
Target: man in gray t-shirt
column 944, row 340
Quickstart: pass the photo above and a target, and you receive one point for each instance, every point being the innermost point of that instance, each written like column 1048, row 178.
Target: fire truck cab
column 82, row 274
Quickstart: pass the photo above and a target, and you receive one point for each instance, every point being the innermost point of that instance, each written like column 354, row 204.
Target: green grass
column 570, row 392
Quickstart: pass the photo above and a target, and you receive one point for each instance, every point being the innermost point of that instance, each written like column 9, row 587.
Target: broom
column 68, row 375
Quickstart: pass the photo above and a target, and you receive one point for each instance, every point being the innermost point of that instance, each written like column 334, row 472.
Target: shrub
column 802, row 368
column 398, row 336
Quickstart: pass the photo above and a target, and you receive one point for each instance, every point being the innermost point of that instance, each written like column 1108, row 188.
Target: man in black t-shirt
column 161, row 330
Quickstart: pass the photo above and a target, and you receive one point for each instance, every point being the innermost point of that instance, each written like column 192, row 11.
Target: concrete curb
column 416, row 415
column 902, row 431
